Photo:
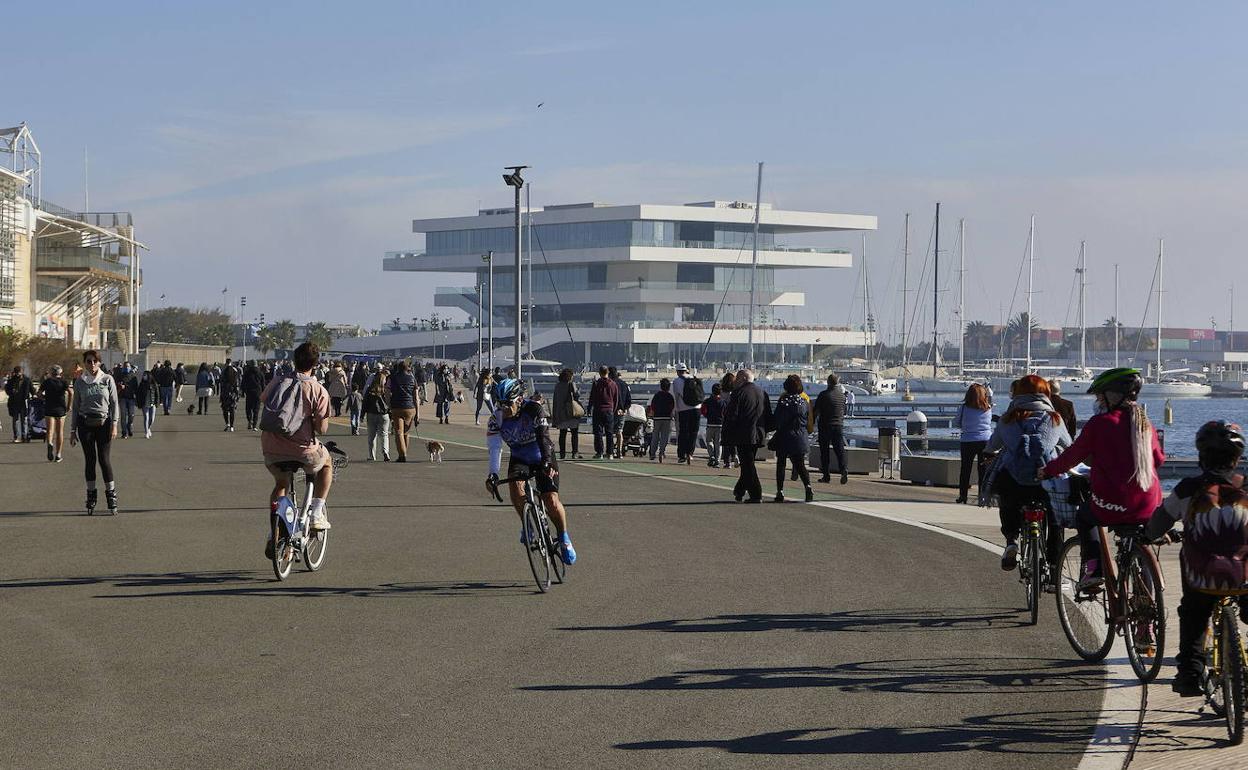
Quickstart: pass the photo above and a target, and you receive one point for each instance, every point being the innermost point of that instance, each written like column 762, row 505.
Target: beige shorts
column 311, row 464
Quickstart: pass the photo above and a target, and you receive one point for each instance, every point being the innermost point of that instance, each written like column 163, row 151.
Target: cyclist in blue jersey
column 522, row 423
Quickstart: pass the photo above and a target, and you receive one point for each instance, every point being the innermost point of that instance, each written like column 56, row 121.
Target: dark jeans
column 97, row 444
column 832, row 437
column 17, row 415
column 728, row 452
column 563, row 441
column 228, row 409
column 477, row 414
column 203, row 405
column 799, row 469
column 1013, row 497
column 604, row 426
column 688, row 423
column 747, row 484
column 1194, row 610
column 336, row 403
column 127, row 417
column 166, row 397
column 972, row 451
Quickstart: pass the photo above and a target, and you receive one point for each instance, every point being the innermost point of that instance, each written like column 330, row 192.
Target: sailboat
column 1162, row 385
column 1002, row 384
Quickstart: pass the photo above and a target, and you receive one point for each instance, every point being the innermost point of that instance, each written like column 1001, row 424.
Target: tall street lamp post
column 516, row 182
column 488, row 258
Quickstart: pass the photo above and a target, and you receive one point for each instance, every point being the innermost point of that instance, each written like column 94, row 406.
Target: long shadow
column 864, row 621
column 947, row 676
column 140, row 579
column 1063, row 733
column 225, row 509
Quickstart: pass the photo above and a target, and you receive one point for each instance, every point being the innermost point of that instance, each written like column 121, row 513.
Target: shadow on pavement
column 951, row 676
column 871, row 621
column 1046, row 732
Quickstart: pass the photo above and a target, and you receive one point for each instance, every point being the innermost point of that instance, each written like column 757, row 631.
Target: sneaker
column 825, row 479
column 1187, row 684
column 51, row 453
column 60, row 459
column 810, row 495
column 779, row 498
column 1092, row 579
column 148, row 433
column 566, row 551
column 597, row 456
column 319, row 520
column 1009, row 557
column 844, row 478
column 231, row 429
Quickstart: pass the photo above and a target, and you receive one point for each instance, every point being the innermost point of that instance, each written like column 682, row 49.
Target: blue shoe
column 566, row 551
column 524, row 539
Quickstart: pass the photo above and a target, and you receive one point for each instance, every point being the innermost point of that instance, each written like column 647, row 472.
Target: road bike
column 1225, row 662
column 541, row 545
column 1033, row 566
column 1130, row 602
column 291, row 538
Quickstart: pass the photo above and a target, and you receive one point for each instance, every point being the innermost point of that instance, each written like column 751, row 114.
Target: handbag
column 94, row 421
column 578, row 410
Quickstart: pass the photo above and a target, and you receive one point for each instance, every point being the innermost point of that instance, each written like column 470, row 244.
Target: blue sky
column 283, row 146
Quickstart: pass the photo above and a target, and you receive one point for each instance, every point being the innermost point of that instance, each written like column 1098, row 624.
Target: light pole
column 480, row 320
column 516, row 182
column 488, row 258
column 242, row 316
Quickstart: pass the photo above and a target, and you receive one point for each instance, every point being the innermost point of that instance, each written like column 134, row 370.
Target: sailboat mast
column 866, row 305
column 1161, row 268
column 528, row 247
column 1031, row 269
column 905, row 291
column 1115, row 315
column 1083, row 321
column 758, row 203
column 936, row 297
column 961, row 297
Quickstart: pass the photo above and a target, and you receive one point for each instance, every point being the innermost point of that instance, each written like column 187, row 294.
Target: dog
column 435, row 451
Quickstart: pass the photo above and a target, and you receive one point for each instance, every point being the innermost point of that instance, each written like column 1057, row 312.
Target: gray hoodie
column 94, row 397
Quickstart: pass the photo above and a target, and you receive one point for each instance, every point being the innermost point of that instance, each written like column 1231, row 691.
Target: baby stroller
column 636, row 430
column 37, row 426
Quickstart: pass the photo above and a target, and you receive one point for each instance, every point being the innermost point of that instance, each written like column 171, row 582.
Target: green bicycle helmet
column 1119, row 380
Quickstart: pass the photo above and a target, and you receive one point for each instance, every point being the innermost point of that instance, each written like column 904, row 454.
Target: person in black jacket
column 148, row 395
column 791, row 441
column 18, row 389
column 623, row 402
column 165, row 380
column 252, row 386
column 230, row 388
column 828, row 415
column 128, row 392
column 745, row 427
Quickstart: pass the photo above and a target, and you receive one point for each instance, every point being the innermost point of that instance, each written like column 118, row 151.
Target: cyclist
column 302, row 444
column 1214, row 510
column 1121, row 446
column 1029, row 434
column 523, row 425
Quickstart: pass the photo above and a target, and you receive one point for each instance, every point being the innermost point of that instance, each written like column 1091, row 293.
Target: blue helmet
column 508, row 390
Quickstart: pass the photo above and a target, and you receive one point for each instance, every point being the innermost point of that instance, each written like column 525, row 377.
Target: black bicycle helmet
column 1219, row 445
column 1120, row 380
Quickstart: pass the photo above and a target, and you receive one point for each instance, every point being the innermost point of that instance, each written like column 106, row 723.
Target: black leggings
column 253, row 409
column 96, row 443
column 799, row 468
column 203, row 405
column 227, row 411
column 1012, row 497
column 563, row 441
column 972, row 454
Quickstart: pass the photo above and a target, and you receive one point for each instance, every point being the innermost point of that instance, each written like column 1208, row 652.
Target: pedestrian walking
column 178, row 383
column 355, row 407
column 828, row 416
column 603, row 397
column 336, row 385
column 662, row 410
column 418, row 371
column 93, row 421
column 205, row 385
column 19, row 390
column 689, row 397
column 443, row 393
column 746, row 419
column 230, row 390
column 252, row 385
column 567, row 412
column 127, row 390
column 974, row 420
column 148, row 396
column 728, row 452
column 377, row 417
column 481, row 393
column 56, row 393
column 791, row 441
column 404, row 413
column 713, row 410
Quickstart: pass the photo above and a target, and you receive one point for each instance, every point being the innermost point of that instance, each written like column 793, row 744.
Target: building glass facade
column 600, row 235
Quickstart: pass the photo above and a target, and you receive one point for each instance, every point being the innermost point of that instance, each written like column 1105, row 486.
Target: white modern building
column 635, row 283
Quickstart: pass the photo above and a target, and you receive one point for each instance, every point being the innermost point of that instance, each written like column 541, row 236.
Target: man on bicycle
column 523, row 425
column 301, row 445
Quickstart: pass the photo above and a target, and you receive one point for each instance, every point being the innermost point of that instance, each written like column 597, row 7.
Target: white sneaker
column 148, row 433
column 319, row 520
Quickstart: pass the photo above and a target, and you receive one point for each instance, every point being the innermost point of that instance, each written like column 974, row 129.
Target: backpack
column 1028, row 455
column 283, row 411
column 693, row 394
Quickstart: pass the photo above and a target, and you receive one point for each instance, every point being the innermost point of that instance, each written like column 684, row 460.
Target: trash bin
column 889, row 451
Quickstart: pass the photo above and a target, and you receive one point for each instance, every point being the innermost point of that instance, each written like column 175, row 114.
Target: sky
column 279, row 148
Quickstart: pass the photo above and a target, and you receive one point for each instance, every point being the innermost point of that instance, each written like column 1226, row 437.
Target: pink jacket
column 1105, row 444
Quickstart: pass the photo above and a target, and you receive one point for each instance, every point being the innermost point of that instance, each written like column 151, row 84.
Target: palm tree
column 319, row 334
column 1018, row 328
column 978, row 334
column 264, row 341
column 217, row 334
column 284, row 334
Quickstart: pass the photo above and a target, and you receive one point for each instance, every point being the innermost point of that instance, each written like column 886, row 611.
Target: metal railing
column 78, row 258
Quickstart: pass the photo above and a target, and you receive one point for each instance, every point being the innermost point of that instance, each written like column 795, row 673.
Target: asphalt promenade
column 694, row 631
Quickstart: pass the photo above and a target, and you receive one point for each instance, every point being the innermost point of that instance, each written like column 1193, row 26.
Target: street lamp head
column 514, row 179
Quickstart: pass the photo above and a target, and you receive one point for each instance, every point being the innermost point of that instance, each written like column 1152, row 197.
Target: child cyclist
column 1121, row 446
column 1214, row 559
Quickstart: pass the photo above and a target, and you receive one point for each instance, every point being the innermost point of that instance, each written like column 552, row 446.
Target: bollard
column 907, row 395
column 1161, row 439
column 1168, row 413
column 916, row 425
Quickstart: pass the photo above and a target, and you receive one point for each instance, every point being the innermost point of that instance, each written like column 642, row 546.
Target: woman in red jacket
column 1121, row 446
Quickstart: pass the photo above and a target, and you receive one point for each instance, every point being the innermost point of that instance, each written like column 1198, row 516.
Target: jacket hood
column 1031, row 402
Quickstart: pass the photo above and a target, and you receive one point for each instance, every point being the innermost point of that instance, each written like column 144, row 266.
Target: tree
column 284, row 334
column 217, row 334
column 1016, row 331
column 36, row 354
column 319, row 334
column 180, row 324
column 263, row 339
column 978, row 337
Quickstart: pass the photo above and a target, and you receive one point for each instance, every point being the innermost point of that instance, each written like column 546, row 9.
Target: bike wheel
column 1035, row 568
column 535, row 548
column 1145, row 627
column 1232, row 675
column 314, row 544
column 283, row 552
column 559, row 569
column 1084, row 616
